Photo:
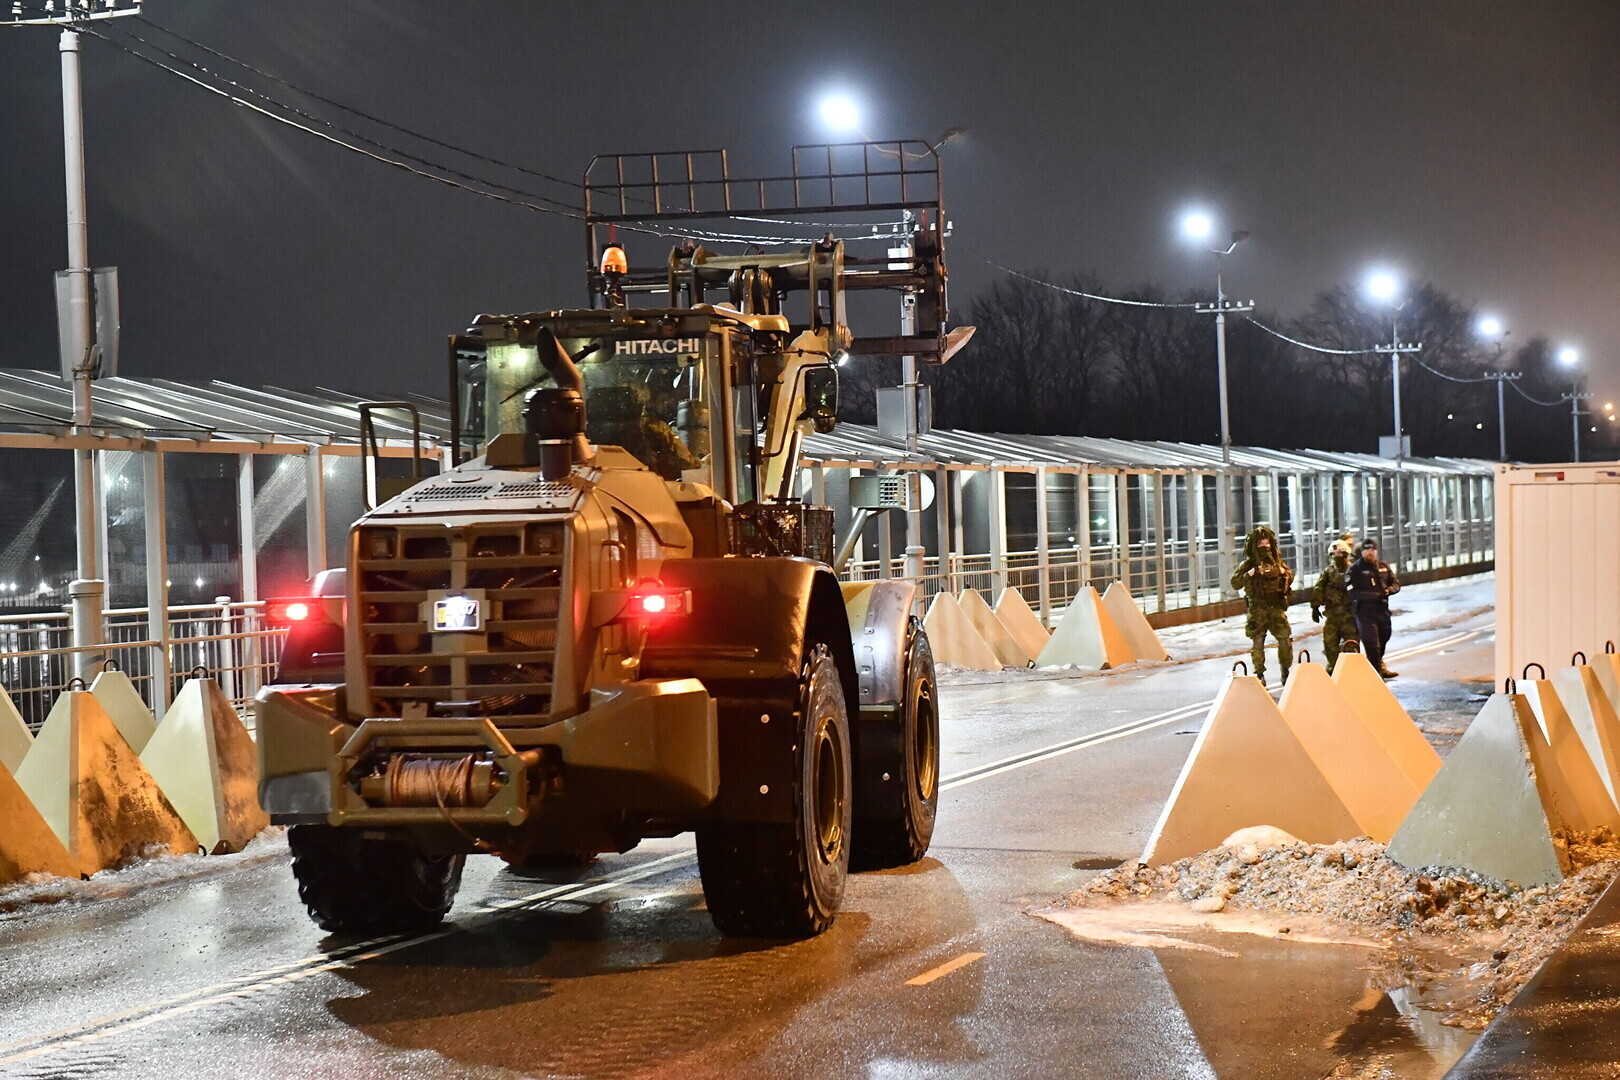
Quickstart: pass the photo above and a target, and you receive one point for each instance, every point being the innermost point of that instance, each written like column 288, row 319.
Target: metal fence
column 228, row 642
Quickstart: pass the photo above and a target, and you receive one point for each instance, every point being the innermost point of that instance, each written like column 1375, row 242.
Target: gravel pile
column 1486, row 938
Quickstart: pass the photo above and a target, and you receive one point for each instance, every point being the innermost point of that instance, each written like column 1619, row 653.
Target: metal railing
column 229, row 641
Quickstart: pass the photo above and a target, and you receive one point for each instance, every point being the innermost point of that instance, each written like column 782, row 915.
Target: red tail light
column 295, row 611
column 654, row 601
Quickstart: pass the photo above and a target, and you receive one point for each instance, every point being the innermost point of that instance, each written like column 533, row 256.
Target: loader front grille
column 504, row 668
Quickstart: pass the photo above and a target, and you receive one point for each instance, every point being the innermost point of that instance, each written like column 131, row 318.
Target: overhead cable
column 1307, row 345
column 1533, row 400
column 1089, row 296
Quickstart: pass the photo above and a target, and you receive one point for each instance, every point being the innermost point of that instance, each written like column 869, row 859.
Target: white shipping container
column 1557, row 564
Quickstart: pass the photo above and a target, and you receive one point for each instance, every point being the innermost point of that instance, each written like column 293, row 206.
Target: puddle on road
column 1285, row 997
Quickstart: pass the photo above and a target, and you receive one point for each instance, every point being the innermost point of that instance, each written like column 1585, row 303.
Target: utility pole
column 87, row 591
column 1223, row 494
column 1501, row 378
column 1575, row 397
column 1396, row 350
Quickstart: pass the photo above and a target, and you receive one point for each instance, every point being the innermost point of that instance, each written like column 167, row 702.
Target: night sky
column 1474, row 144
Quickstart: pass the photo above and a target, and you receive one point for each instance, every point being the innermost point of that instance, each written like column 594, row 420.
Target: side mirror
column 821, row 398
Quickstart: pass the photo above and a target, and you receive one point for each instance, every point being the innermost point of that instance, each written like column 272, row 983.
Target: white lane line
column 945, row 969
column 244, row 986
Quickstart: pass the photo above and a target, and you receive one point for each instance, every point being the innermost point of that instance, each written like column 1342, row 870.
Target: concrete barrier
column 953, row 638
column 1142, row 639
column 1247, row 767
column 1488, row 810
column 1022, row 622
column 205, row 763
column 27, row 844
column 995, row 634
column 15, row 738
column 1361, row 770
column 1085, row 636
column 1592, row 804
column 124, row 707
column 1594, row 719
column 1370, row 696
column 1606, row 666
column 93, row 791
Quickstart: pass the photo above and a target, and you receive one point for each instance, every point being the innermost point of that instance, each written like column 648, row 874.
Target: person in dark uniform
column 1371, row 583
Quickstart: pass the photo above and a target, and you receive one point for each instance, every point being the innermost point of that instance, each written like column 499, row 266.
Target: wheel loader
column 614, row 616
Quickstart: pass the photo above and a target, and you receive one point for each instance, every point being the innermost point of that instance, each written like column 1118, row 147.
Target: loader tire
column 902, row 838
column 769, row 879
column 353, row 884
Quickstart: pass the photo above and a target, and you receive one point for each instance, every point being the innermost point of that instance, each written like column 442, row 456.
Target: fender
column 744, row 638
column 882, row 630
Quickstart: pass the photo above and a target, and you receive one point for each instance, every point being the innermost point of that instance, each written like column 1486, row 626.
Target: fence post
column 157, row 577
column 1043, row 546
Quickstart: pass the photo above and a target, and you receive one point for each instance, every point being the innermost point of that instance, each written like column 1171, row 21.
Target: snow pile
column 1496, row 934
column 150, row 869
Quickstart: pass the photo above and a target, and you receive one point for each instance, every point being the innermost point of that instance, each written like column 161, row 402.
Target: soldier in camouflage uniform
column 1330, row 604
column 1264, row 580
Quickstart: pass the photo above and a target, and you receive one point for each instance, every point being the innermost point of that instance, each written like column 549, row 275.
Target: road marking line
column 945, row 969
column 244, row 986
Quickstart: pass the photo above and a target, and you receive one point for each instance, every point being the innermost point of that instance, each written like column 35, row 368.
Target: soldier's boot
column 1285, row 656
column 1386, row 673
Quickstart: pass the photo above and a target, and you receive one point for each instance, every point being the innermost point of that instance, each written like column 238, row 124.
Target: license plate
column 457, row 613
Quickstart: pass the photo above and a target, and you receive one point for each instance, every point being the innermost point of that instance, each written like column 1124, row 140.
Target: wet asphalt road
column 620, row 974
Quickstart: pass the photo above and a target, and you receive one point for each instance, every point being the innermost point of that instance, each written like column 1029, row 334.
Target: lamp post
column 1385, row 288
column 1490, row 328
column 1197, row 227
column 1570, row 358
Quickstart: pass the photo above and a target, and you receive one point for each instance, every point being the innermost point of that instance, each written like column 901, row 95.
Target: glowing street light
column 1197, row 226
column 840, row 112
column 1568, row 356
column 1385, row 288
column 1490, row 329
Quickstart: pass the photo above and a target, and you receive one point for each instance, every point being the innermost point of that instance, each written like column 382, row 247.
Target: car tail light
column 295, row 611
column 654, row 601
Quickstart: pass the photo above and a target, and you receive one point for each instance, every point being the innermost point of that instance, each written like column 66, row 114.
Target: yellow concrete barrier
column 1247, row 767
column 953, row 639
column 1606, row 666
column 124, row 707
column 995, row 635
column 1588, row 707
column 1370, row 696
column 1358, row 766
column 1139, row 635
column 1489, row 809
column 1595, row 806
column 15, row 738
column 27, row 844
column 1022, row 622
column 205, row 762
column 93, row 791
column 1085, row 636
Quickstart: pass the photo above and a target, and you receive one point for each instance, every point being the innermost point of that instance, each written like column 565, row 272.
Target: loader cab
column 686, row 392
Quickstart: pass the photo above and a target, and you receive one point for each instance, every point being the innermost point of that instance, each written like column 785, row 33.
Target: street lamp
column 840, row 112
column 1198, row 227
column 1385, row 288
column 1569, row 358
column 1490, row 329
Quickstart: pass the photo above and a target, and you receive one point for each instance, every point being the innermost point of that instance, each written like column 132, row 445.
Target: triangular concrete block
column 1606, row 666
column 1370, row 696
column 1022, row 622
column 1085, row 636
column 995, row 635
column 93, row 791
column 1593, row 806
column 1247, row 767
column 27, row 844
column 1139, row 634
column 1487, row 810
column 124, row 707
column 206, row 764
column 1588, row 707
column 15, row 738
column 953, row 638
column 1363, row 774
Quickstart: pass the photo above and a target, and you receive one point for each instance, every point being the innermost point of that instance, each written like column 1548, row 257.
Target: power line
column 1086, row 295
column 1313, row 348
column 1533, row 400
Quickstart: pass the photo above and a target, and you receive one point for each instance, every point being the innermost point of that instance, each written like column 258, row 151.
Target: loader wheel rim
column 923, row 739
column 829, row 793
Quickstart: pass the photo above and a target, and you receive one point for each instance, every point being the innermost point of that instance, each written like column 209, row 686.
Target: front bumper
column 647, row 748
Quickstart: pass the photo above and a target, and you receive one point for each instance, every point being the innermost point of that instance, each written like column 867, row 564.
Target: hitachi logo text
column 658, row 345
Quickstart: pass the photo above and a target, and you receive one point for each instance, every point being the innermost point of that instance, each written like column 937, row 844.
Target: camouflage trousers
column 1338, row 630
column 1272, row 620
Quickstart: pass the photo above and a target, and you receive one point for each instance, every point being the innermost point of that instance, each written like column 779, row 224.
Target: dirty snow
column 1466, row 942
column 19, row 897
column 1432, row 605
